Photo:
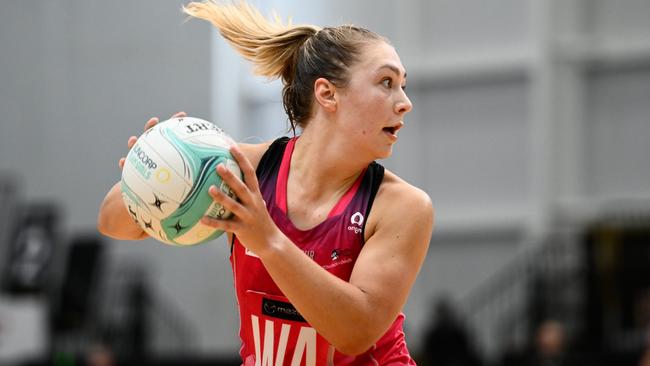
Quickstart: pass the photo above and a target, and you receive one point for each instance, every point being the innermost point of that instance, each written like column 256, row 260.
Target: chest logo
column 357, row 219
column 356, row 223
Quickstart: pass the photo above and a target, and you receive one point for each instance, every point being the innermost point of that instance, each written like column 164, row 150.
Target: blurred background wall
column 530, row 122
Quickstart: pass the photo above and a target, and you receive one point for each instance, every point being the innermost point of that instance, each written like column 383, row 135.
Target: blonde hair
column 297, row 54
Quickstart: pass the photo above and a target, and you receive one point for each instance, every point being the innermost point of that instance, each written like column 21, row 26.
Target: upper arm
column 254, row 152
column 393, row 255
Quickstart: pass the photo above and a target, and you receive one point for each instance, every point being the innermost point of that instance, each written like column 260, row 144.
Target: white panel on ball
column 167, row 175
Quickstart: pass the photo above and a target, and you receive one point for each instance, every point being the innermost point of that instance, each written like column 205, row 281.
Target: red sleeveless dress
column 272, row 331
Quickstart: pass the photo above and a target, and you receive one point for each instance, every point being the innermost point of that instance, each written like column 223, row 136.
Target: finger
column 246, row 167
column 121, row 163
column 226, row 201
column 150, row 123
column 235, row 183
column 132, row 141
column 230, row 225
column 179, row 115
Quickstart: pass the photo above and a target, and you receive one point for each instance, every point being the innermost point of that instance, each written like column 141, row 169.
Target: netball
column 166, row 177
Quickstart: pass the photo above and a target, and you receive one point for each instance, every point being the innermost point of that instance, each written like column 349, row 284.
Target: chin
column 385, row 154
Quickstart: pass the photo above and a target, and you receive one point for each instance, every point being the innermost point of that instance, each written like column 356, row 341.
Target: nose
column 404, row 104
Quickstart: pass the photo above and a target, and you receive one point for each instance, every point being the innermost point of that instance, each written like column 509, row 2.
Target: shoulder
column 400, row 203
column 396, row 193
column 254, row 152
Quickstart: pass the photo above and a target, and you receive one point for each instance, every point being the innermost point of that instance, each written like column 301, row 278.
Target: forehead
column 375, row 55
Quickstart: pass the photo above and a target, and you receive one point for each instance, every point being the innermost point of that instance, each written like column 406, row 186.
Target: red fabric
column 272, row 332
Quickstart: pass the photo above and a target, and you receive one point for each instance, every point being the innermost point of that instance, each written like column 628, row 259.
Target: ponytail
column 270, row 46
column 297, row 55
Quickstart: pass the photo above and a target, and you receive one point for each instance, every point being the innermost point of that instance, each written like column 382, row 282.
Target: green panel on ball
column 203, row 163
column 193, row 208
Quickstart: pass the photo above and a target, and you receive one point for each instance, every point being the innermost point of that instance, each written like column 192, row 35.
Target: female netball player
column 326, row 243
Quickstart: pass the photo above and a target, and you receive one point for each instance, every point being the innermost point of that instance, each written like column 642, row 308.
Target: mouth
column 392, row 130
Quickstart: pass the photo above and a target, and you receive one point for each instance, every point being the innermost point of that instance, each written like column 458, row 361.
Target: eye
column 388, row 82
column 404, row 87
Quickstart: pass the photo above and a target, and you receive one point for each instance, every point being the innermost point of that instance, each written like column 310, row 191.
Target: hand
column 150, row 123
column 251, row 221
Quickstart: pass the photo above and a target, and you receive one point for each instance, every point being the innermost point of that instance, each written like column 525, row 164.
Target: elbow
column 113, row 228
column 354, row 348
column 352, row 351
column 356, row 344
column 102, row 225
column 104, row 219
column 106, row 225
column 360, row 334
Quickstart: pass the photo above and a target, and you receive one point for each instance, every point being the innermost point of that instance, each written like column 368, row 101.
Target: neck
column 325, row 163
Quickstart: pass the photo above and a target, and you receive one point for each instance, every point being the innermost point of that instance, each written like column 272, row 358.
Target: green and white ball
column 166, row 177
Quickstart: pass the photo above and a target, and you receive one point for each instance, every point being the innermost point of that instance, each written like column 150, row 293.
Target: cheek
column 366, row 98
column 366, row 110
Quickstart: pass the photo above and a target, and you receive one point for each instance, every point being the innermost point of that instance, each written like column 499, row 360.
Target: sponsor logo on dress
column 356, row 223
column 281, row 309
column 339, row 256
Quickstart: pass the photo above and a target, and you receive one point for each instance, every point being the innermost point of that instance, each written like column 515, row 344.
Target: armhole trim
column 376, row 176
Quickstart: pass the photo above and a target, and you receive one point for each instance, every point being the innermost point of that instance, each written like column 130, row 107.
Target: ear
column 324, row 92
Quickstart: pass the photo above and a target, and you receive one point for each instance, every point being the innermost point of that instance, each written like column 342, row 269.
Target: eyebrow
column 392, row 68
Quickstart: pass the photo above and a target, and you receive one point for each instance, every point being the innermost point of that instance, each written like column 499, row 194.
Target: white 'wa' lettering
column 305, row 345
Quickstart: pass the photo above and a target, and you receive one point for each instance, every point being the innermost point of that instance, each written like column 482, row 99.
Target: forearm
column 339, row 311
column 114, row 220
